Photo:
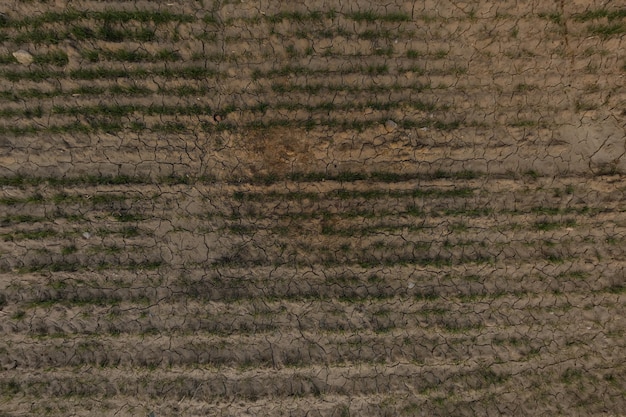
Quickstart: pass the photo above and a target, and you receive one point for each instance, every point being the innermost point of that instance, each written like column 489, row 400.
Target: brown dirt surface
column 265, row 208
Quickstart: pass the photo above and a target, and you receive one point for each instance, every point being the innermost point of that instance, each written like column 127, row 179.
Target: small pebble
column 390, row 125
column 23, row 57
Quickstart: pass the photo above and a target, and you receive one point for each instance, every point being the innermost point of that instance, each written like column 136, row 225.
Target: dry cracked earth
column 265, row 208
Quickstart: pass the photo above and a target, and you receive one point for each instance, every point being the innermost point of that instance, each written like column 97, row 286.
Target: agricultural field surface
column 320, row 208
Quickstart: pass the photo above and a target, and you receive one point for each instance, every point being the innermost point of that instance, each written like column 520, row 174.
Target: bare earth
column 265, row 208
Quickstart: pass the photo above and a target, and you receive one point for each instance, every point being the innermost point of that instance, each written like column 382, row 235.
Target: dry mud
column 260, row 208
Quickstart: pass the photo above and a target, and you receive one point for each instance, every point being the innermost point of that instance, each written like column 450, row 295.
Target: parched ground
column 265, row 208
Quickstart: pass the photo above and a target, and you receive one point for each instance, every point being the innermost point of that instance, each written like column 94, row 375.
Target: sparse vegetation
column 277, row 209
column 608, row 30
column 595, row 14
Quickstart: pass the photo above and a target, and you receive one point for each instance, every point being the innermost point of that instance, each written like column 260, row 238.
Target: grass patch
column 524, row 88
column 413, row 54
column 372, row 88
column 298, row 70
column 600, row 14
column 524, row 123
column 300, row 17
column 123, row 55
column 55, row 58
column 545, row 225
column 30, row 235
column 63, row 266
column 617, row 289
column 343, row 194
column 92, row 180
column 371, row 16
column 101, row 301
column 127, row 232
column 20, row 218
column 128, row 217
column 90, row 74
column 110, row 16
column 106, row 33
column 607, row 30
column 571, row 375
column 19, row 315
column 67, row 250
column 554, row 17
column 22, row 182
